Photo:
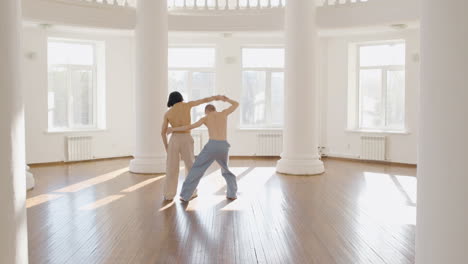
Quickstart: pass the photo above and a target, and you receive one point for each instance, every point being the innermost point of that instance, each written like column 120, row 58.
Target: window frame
column 70, row 68
column 268, row 93
column 384, row 85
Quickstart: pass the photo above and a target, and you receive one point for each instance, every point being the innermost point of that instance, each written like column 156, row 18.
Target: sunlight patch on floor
column 142, row 184
column 99, row 203
column 389, row 199
column 93, row 181
column 203, row 202
column 40, row 199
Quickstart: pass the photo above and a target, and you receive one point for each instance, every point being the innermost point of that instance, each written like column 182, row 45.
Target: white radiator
column 373, row 148
column 269, row 144
column 79, row 148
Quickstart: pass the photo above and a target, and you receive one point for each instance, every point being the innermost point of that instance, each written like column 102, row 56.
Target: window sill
column 71, row 131
column 389, row 132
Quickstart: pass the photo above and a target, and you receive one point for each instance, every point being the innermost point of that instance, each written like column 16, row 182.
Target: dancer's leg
column 186, row 153
column 203, row 161
column 172, row 168
column 231, row 181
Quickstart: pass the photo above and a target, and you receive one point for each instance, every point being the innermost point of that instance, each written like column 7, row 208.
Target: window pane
column 203, row 85
column 191, row 57
column 178, row 81
column 82, row 94
column 253, row 98
column 58, row 97
column 371, row 99
column 396, row 100
column 263, row 58
column 70, row 53
column 277, row 95
column 382, row 55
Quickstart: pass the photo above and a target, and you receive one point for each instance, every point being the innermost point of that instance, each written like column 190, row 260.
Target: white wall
column 338, row 141
column 118, row 137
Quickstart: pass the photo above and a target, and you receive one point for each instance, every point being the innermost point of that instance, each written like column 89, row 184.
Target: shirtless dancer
column 216, row 149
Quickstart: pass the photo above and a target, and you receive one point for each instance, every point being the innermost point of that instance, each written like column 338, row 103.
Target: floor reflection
column 354, row 213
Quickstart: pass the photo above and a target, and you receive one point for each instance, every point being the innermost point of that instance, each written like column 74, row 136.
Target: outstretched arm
column 185, row 128
column 204, row 100
column 164, row 131
column 232, row 108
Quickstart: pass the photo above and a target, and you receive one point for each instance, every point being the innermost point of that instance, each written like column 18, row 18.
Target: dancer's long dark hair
column 174, row 98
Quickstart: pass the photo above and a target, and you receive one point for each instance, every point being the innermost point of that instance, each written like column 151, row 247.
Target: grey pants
column 214, row 150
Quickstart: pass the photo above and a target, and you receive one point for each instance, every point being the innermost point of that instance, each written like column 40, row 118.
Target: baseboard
column 254, row 157
column 329, row 156
column 384, row 162
column 57, row 163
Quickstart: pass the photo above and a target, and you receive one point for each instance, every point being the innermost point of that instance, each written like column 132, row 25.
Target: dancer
column 216, row 149
column 181, row 143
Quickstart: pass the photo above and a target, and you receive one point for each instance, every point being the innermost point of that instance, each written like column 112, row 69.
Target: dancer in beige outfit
column 181, row 143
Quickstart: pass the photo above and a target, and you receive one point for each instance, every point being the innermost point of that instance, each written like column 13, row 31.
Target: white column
column 442, row 215
column 151, row 36
column 13, row 228
column 300, row 136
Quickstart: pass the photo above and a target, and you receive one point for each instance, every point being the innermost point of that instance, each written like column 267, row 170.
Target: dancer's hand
column 169, row 130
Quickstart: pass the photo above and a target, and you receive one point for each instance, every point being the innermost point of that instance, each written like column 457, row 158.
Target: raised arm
column 204, row 100
column 164, row 128
column 185, row 128
column 232, row 108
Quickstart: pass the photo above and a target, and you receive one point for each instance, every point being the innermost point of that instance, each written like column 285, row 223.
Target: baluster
column 226, row 5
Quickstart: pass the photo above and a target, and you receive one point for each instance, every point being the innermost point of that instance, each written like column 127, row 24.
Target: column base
column 148, row 165
column 300, row 166
column 30, row 182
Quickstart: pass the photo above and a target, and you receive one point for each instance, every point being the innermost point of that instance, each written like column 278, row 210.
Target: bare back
column 179, row 115
column 216, row 122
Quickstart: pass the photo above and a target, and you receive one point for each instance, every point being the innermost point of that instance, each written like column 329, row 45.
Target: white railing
column 245, row 4
column 224, row 4
column 121, row 3
column 220, row 5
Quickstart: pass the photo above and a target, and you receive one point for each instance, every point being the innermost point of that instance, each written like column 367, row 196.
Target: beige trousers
column 180, row 147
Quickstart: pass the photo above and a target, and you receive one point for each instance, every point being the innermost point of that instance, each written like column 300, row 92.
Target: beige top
column 179, row 115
